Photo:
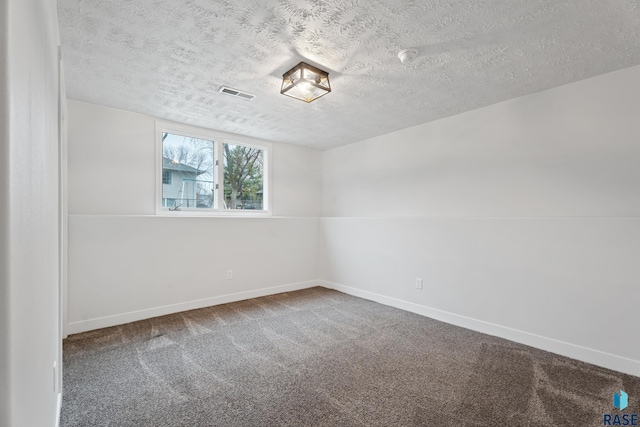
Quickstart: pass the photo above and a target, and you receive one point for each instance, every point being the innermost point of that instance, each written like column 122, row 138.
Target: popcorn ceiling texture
column 167, row 58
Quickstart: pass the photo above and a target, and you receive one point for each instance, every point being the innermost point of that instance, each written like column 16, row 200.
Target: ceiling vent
column 237, row 93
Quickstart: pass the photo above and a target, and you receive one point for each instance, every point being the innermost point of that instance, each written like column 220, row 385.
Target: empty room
column 320, row 213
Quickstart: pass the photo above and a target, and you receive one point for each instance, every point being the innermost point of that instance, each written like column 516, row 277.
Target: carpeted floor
column 318, row 357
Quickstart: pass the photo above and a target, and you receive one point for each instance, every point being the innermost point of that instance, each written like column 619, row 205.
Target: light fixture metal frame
column 288, row 84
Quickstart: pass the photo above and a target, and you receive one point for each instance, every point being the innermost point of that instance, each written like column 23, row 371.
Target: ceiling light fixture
column 305, row 82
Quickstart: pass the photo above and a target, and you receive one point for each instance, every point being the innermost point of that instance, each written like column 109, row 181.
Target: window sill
column 243, row 213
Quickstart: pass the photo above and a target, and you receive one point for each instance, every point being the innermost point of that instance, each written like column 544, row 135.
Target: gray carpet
column 318, row 357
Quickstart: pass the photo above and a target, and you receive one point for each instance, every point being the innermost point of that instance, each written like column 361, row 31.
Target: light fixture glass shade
column 305, row 82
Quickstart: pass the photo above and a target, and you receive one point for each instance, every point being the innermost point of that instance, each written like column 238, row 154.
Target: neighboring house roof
column 176, row 166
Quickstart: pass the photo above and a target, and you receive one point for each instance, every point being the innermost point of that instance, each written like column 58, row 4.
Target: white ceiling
column 167, row 58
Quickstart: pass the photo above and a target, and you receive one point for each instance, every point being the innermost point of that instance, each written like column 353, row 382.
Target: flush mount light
column 305, row 82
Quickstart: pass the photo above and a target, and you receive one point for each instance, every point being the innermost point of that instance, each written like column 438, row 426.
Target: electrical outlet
column 418, row 283
column 229, row 274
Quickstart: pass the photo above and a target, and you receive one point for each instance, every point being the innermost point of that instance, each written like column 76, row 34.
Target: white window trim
column 218, row 139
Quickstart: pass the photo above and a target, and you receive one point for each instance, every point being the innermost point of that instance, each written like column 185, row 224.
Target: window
column 187, row 172
column 243, row 177
column 206, row 173
column 166, row 176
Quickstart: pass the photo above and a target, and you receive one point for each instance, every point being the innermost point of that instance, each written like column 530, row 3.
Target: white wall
column 126, row 264
column 521, row 217
column 5, row 220
column 29, row 294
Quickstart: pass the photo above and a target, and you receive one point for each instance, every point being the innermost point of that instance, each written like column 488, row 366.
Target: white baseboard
column 595, row 357
column 59, row 410
column 133, row 316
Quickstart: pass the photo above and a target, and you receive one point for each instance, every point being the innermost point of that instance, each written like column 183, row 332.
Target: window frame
column 218, row 138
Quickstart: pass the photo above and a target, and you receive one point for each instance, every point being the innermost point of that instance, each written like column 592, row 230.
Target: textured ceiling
column 167, row 58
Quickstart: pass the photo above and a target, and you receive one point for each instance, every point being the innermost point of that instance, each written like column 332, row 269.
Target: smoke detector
column 408, row 56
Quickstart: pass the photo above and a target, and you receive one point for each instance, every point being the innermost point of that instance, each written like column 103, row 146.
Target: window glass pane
column 187, row 172
column 166, row 176
column 243, row 177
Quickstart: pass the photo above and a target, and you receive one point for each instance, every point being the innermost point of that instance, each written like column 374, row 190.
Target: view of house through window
column 187, row 172
column 193, row 168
